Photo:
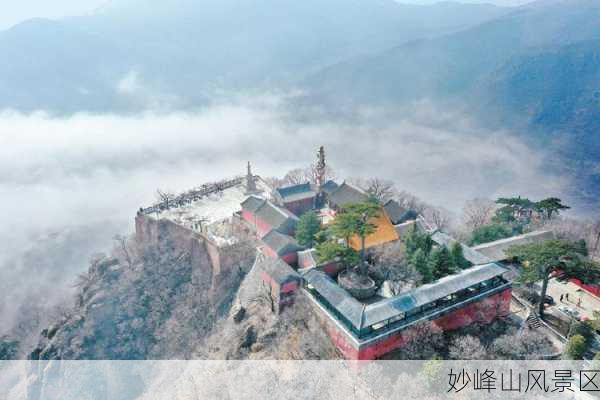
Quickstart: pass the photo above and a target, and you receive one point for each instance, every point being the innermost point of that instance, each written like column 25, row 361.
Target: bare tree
column 312, row 172
column 439, row 218
column 298, row 176
column 382, row 189
column 423, row 341
column 266, row 295
column 467, row 348
column 410, row 202
column 478, row 212
column 526, row 345
column 124, row 248
column 165, row 197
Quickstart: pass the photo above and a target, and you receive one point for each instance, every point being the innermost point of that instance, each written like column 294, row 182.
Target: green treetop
column 550, row 206
column 458, row 257
column 308, row 227
column 331, row 250
column 440, row 262
column 541, row 259
column 420, row 263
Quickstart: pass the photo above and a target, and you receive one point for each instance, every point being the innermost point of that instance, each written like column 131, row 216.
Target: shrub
column 575, row 347
column 490, row 233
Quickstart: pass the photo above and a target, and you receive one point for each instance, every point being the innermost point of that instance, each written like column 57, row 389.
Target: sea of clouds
column 68, row 184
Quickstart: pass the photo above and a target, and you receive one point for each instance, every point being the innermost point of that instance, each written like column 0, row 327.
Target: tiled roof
column 361, row 316
column 496, row 250
column 346, row 194
column 252, row 203
column 329, row 186
column 307, row 258
column 386, row 309
column 395, row 211
column 275, row 216
column 281, row 244
column 338, row 298
column 296, row 192
column 276, row 268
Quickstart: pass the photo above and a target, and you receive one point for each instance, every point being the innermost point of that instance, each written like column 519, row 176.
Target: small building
column 496, row 250
column 368, row 331
column 345, row 194
column 278, row 245
column 298, row 199
column 384, row 233
column 308, row 259
column 280, row 280
column 397, row 213
column 328, row 187
column 265, row 216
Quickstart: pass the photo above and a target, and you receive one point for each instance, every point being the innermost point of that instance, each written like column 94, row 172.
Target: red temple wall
column 299, row 207
column 261, row 227
column 484, row 311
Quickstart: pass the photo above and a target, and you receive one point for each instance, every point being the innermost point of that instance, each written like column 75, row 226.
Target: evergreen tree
column 581, row 247
column 308, row 226
column 490, row 233
column 550, row 206
column 575, row 347
column 415, row 240
column 540, row 260
column 458, row 258
column 420, row 263
column 440, row 262
column 331, row 249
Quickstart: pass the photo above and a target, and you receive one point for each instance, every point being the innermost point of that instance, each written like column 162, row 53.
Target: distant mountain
column 536, row 69
column 454, row 64
column 130, row 54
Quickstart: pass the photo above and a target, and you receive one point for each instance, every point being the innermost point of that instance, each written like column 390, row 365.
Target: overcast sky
column 13, row 12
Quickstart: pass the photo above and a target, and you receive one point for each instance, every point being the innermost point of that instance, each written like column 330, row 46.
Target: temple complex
column 246, row 211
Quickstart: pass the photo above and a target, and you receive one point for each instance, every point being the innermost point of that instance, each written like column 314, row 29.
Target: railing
column 192, row 195
column 409, row 320
column 435, row 312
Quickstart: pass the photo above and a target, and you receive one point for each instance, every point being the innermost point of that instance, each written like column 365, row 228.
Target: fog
column 69, row 184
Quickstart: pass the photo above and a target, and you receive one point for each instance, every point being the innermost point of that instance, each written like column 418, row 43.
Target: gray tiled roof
column 329, row 186
column 362, row 316
column 252, row 203
column 277, row 269
column 296, row 192
column 394, row 211
column 350, row 308
column 496, row 250
column 386, row 309
column 280, row 243
column 275, row 216
column 346, row 194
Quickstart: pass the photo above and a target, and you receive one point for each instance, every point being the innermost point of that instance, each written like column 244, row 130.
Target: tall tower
column 321, row 166
column 250, row 182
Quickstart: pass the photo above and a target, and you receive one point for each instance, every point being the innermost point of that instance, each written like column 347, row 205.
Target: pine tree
column 440, row 262
column 420, row 263
column 415, row 240
column 308, row 226
column 458, row 258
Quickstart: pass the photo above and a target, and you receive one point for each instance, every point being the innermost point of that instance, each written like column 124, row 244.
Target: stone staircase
column 533, row 321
